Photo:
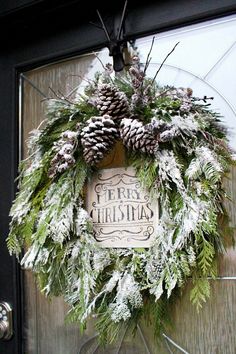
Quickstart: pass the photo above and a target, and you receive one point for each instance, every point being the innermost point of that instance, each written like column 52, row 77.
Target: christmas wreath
column 179, row 149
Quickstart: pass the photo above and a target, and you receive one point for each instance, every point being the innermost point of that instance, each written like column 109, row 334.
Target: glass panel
column 203, row 60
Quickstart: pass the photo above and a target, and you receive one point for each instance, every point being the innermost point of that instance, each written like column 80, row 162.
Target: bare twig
column 54, row 92
column 148, row 56
column 72, row 91
column 204, row 99
column 95, row 54
column 162, row 93
column 60, row 95
column 104, row 26
column 153, row 80
column 89, row 81
column 102, row 65
column 147, row 64
column 122, row 20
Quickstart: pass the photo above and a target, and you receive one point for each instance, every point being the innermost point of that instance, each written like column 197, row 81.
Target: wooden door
column 39, row 34
column 210, row 331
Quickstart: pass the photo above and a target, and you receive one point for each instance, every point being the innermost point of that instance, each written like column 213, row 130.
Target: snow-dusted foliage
column 179, row 150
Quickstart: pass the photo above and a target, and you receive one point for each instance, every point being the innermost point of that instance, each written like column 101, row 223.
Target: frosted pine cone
column 111, row 101
column 137, row 136
column 65, row 148
column 98, row 137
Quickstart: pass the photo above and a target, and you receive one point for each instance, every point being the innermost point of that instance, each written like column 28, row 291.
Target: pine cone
column 137, row 136
column 64, row 158
column 113, row 102
column 98, row 137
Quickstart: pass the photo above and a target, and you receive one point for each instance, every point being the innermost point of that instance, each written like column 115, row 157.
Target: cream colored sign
column 122, row 213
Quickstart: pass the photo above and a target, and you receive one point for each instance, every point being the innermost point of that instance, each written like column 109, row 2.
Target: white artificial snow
column 185, row 123
column 81, row 220
column 66, row 148
column 101, row 259
column 191, row 256
column 193, row 214
column 70, row 135
column 30, row 256
column 112, row 282
column 169, row 169
column 172, row 281
column 157, row 290
column 20, row 209
column 128, row 292
column 76, row 250
column 119, row 312
column 204, row 158
column 193, row 169
column 42, row 256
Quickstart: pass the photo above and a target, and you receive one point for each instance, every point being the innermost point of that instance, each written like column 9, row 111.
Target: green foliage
column 13, row 244
column 146, row 170
column 123, row 83
column 157, row 314
column 200, row 292
column 108, row 330
column 206, row 256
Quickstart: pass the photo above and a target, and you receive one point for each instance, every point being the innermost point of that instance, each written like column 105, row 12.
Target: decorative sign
column 122, row 212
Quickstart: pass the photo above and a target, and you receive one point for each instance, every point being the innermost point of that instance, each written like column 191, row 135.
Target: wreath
column 179, row 149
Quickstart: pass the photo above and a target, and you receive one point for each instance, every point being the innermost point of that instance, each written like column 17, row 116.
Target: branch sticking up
column 153, row 80
column 104, row 27
column 148, row 56
column 117, row 44
column 122, row 21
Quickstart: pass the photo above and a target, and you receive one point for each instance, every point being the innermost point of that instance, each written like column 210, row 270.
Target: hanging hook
column 117, row 44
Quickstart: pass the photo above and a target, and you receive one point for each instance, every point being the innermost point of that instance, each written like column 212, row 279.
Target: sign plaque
column 122, row 212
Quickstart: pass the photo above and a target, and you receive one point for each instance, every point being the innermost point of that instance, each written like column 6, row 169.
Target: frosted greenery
column 51, row 233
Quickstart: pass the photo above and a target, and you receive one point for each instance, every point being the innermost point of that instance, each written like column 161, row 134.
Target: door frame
column 61, row 37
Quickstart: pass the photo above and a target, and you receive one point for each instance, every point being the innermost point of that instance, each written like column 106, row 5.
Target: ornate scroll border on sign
column 122, row 212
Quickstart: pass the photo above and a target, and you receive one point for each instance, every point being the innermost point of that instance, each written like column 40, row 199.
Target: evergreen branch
column 200, row 292
column 205, row 257
column 13, row 244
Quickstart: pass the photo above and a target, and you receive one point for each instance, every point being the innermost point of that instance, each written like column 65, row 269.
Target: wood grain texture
column 211, row 331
